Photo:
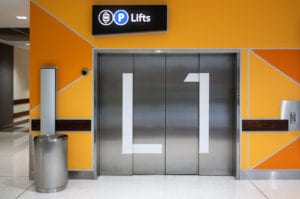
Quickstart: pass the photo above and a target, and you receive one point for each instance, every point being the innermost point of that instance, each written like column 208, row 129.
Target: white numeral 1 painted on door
column 127, row 122
column 203, row 79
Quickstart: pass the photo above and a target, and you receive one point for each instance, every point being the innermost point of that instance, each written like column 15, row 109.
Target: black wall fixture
column 6, row 84
column 14, row 34
column 265, row 125
column 116, row 19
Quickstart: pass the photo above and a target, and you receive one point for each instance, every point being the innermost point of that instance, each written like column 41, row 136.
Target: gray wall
column 6, row 84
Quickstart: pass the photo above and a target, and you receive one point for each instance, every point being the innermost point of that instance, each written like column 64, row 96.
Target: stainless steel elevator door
column 161, row 114
column 149, row 113
column 112, row 160
column 219, row 160
column 181, row 115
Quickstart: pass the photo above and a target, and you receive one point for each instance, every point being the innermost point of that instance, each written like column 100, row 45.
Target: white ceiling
column 9, row 9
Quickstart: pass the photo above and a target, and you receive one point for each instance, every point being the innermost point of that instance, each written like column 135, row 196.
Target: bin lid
column 50, row 138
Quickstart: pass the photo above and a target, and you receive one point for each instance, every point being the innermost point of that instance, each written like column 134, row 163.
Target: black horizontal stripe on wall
column 64, row 125
column 21, row 101
column 21, row 114
column 265, row 125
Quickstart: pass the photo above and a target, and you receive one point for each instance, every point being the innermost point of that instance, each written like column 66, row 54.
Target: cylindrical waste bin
column 51, row 171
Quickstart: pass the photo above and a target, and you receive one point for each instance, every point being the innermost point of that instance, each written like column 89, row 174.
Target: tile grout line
column 258, row 189
column 24, row 191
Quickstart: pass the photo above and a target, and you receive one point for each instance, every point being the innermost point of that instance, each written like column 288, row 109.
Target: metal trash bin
column 51, row 166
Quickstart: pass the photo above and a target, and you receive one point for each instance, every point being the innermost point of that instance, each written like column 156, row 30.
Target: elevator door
column 149, row 114
column 221, row 69
column 151, row 117
column 111, row 160
column 181, row 115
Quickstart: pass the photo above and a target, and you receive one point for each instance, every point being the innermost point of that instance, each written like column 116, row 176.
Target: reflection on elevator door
column 166, row 114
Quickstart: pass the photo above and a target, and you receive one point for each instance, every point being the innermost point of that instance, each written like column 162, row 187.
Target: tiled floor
column 13, row 187
column 14, row 163
column 14, row 182
column 14, row 154
column 279, row 189
column 157, row 187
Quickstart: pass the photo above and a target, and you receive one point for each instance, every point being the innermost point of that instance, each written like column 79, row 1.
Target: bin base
column 41, row 190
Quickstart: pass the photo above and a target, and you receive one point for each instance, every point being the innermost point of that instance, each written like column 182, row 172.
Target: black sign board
column 126, row 19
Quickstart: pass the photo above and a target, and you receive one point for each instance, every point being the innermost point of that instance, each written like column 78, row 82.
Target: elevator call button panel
column 290, row 110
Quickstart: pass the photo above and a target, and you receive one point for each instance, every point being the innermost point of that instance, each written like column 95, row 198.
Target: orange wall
column 61, row 36
column 196, row 23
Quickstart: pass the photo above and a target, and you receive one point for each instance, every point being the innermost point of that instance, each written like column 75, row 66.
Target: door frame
column 237, row 129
